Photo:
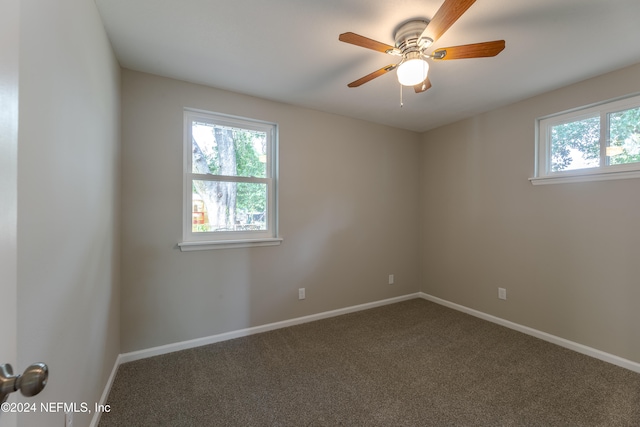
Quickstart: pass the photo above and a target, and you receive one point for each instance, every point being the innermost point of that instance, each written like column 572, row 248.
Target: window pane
column 228, row 206
column 624, row 137
column 222, row 150
column 575, row 145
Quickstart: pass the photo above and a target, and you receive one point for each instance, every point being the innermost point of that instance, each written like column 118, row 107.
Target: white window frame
column 192, row 241
column 542, row 166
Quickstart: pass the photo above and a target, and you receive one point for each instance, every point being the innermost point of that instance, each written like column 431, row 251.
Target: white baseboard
column 105, row 393
column 184, row 345
column 580, row 348
column 198, row 342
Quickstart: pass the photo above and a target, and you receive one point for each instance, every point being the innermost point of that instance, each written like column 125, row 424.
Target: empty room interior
column 376, row 252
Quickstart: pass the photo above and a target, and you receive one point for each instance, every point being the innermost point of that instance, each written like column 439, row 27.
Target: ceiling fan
column 412, row 40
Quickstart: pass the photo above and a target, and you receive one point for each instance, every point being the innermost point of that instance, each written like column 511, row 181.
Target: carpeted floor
column 413, row 363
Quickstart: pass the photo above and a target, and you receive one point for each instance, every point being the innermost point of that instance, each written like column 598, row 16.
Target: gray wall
column 348, row 216
column 567, row 254
column 68, row 208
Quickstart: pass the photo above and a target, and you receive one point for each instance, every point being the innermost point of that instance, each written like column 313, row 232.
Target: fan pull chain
column 401, row 103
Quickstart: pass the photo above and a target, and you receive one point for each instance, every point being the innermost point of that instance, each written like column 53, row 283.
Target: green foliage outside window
column 624, row 132
column 231, row 152
column 579, row 138
column 576, row 144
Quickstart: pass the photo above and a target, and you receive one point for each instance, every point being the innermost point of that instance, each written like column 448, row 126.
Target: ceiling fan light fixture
column 413, row 69
column 412, row 39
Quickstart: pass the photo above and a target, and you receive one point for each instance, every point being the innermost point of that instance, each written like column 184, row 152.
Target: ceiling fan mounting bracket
column 439, row 54
column 394, row 52
column 425, row 42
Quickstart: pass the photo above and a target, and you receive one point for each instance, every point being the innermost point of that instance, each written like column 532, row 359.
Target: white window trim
column 542, row 166
column 228, row 244
column 233, row 239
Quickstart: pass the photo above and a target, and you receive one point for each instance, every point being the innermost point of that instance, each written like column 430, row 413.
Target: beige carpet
column 413, row 363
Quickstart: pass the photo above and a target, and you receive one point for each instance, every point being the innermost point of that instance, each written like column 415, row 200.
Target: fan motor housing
column 408, row 33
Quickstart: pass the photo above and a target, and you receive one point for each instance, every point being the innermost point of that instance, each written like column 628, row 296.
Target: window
column 230, row 182
column 592, row 143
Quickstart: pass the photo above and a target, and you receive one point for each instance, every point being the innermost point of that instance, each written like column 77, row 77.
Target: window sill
column 584, row 177
column 228, row 244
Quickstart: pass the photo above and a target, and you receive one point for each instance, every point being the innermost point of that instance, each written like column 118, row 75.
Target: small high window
column 230, row 182
column 592, row 143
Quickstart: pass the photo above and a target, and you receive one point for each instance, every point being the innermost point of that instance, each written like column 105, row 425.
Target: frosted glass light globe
column 412, row 71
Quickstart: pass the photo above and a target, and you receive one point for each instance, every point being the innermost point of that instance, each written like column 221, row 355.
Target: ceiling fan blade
column 421, row 87
column 362, row 41
column 475, row 50
column 445, row 17
column 369, row 77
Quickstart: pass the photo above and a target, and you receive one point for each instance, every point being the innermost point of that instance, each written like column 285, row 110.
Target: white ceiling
column 288, row 50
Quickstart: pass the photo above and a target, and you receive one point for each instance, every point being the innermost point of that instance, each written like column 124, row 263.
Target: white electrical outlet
column 502, row 293
column 391, row 279
column 301, row 293
column 68, row 419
